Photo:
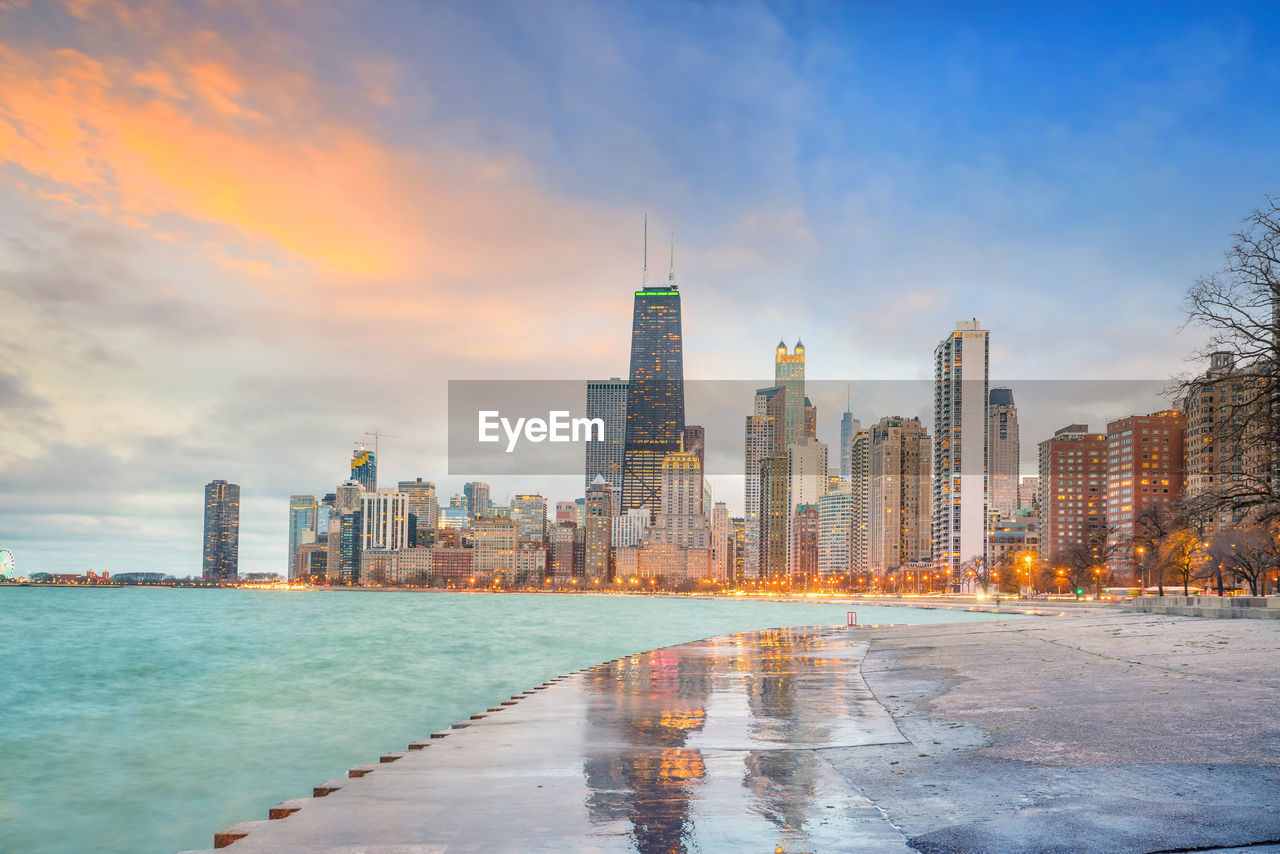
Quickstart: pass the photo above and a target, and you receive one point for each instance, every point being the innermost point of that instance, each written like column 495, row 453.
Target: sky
column 234, row 236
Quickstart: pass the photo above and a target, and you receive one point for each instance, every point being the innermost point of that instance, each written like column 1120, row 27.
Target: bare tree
column 1240, row 306
column 1248, row 552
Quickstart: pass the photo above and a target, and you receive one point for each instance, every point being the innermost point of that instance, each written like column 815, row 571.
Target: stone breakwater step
column 709, row 746
column 1221, row 607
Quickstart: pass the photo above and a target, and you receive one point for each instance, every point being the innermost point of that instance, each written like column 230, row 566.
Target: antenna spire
column 644, row 279
column 671, row 276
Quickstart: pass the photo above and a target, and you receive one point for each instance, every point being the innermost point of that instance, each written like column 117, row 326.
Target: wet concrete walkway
column 710, row 746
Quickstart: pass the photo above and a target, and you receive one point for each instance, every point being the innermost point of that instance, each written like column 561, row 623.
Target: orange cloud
column 181, row 137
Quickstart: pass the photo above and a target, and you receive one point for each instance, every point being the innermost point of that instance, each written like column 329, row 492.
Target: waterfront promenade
column 1084, row 732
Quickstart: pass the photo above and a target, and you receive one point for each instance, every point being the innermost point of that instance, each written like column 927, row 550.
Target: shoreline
column 944, row 602
column 1059, row 755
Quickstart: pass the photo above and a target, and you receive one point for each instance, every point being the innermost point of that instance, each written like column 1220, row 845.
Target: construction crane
column 376, row 436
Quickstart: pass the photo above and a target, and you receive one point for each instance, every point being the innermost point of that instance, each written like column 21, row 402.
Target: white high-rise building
column 631, row 528
column 835, row 531
column 607, row 400
column 960, row 449
column 384, row 521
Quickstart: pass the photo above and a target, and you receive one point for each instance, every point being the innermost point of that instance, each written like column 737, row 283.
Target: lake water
column 142, row 720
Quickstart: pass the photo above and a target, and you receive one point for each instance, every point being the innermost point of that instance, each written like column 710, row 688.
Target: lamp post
column 1142, row 565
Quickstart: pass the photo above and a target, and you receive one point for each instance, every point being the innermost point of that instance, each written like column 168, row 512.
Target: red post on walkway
column 851, row 619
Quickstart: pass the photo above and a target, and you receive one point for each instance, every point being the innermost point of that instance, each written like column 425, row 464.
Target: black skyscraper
column 221, row 531
column 655, row 395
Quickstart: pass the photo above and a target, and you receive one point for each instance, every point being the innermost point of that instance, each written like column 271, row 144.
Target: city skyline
column 163, row 334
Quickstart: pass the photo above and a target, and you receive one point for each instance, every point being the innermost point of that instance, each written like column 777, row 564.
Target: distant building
column 1073, row 489
column 899, row 496
column 303, row 513
column 695, row 442
column 849, row 427
column 681, row 520
column 599, row 531
column 804, row 541
column 1144, row 469
column 384, row 521
column 860, row 504
column 631, row 528
column 722, row 558
column 494, row 542
column 960, row 448
column 763, row 440
column 477, row 495
column 1029, row 492
column 455, row 517
column 835, row 532
column 530, row 512
column 564, row 553
column 424, row 506
column 1002, row 452
column 607, row 400
column 566, row 511
column 364, row 469
column 806, row 483
column 221, row 532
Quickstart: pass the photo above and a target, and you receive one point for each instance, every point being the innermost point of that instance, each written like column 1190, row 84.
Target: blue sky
column 234, row 236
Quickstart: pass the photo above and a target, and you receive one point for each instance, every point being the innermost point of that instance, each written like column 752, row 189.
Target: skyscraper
column 1002, row 452
column 655, row 394
column 477, row 495
column 860, row 503
column 788, row 373
column 960, row 449
column 221, row 532
column 849, row 427
column 835, row 531
column 364, row 469
column 303, row 520
column 424, row 506
column 607, row 400
column 806, row 483
column 599, row 530
column 761, row 442
column 384, row 521
column 900, row 494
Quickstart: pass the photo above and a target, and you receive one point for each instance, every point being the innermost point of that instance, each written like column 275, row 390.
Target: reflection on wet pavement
column 760, row 705
column 703, row 747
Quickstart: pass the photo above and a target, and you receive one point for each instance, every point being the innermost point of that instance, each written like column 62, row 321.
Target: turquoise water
column 142, row 720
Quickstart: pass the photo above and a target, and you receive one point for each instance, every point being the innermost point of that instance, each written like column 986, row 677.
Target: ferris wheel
column 6, row 563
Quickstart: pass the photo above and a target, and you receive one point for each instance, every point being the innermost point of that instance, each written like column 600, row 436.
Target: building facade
column 655, row 395
column 303, row 521
column 1073, row 490
column 221, row 532
column 1144, row 469
column 960, row 449
column 607, row 400
column 1003, row 449
column 899, row 495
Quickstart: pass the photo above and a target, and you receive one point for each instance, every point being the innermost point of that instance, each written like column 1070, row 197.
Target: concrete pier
column 1100, row 732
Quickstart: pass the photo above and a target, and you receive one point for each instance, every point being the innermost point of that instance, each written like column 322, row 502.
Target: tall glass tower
column 221, row 531
column 655, row 395
column 364, row 469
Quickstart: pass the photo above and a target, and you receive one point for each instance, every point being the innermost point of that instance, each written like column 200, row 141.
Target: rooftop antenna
column 644, row 279
column 671, row 276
